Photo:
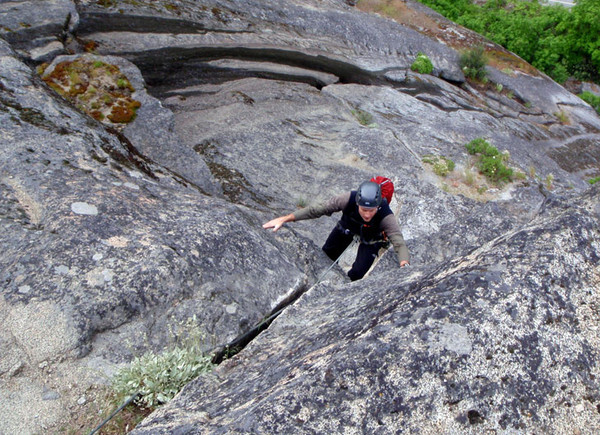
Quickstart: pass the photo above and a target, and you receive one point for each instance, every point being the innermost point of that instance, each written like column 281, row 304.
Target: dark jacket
column 386, row 221
column 368, row 231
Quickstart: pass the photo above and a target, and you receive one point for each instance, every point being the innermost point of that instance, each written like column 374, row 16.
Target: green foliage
column 490, row 161
column 558, row 41
column 422, row 64
column 548, row 181
column 473, row 62
column 158, row 378
column 301, row 202
column 594, row 180
column 363, row 117
column 592, row 99
column 442, row 166
column 562, row 117
column 481, row 146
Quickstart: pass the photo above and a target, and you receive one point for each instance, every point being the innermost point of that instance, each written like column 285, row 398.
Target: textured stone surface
column 95, row 236
column 38, row 28
column 503, row 339
column 249, row 109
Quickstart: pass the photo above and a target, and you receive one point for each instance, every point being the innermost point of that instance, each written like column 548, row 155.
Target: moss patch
column 97, row 88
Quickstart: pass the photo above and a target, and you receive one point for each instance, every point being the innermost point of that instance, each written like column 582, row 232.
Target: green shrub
column 592, row 99
column 442, row 166
column 490, row 162
column 422, row 64
column 594, row 180
column 562, row 117
column 494, row 168
column 158, row 378
column 363, row 117
column 473, row 62
column 558, row 41
column 481, row 146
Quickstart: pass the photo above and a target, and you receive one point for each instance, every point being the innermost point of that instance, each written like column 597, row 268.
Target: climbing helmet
column 368, row 195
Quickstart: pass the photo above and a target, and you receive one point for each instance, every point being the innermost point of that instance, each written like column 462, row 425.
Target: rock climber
column 366, row 214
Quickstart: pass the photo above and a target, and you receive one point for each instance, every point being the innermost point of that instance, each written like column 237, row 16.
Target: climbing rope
column 119, row 409
column 240, row 342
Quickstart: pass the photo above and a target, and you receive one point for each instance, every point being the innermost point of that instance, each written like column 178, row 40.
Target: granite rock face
column 502, row 339
column 112, row 236
column 38, row 29
column 96, row 236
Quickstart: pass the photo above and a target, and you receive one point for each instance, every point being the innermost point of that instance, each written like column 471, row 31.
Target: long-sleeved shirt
column 389, row 224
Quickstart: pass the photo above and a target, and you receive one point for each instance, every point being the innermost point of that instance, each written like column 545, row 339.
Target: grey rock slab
column 290, row 32
column 158, row 143
column 37, row 28
column 497, row 340
column 84, row 253
column 249, row 110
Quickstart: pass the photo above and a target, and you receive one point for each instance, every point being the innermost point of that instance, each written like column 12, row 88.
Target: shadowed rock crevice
column 182, row 67
column 92, row 22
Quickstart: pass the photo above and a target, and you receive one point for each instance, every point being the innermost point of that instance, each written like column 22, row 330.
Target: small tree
column 422, row 64
column 473, row 63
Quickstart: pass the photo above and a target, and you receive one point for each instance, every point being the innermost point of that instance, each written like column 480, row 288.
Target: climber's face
column 366, row 213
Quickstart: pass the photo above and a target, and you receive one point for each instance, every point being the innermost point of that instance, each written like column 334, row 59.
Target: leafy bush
column 594, row 180
column 158, row 378
column 490, row 161
column 473, row 62
column 442, row 166
column 481, row 146
column 592, row 99
column 558, row 41
column 422, row 64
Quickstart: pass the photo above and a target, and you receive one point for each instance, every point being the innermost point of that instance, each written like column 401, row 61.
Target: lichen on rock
column 97, row 88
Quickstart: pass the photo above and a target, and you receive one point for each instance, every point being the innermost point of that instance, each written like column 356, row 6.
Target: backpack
column 387, row 187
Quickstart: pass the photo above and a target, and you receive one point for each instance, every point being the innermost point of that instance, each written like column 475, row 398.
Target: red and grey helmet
column 368, row 195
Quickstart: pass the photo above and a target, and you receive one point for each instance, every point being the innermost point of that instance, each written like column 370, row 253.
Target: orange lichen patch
column 123, row 113
column 98, row 88
column 90, row 46
column 447, row 32
column 97, row 115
